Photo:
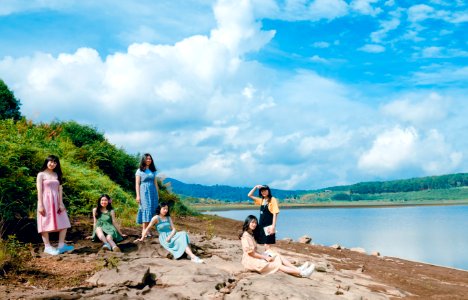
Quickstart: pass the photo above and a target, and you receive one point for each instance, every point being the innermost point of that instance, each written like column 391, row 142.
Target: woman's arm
column 154, row 220
column 173, row 232
column 260, row 256
column 94, row 218
column 257, row 200
column 117, row 227
column 40, row 205
column 156, row 183
column 137, row 188
column 61, row 205
column 272, row 229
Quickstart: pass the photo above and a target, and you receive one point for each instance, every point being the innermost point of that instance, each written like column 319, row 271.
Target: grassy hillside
column 90, row 164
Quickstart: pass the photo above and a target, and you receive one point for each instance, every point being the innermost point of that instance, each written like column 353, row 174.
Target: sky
column 296, row 94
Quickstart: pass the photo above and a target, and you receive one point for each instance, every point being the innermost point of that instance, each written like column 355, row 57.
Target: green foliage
column 94, row 168
column 9, row 105
column 341, row 197
column 13, row 254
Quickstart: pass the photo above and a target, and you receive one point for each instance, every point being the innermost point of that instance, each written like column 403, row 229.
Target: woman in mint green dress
column 175, row 242
column 105, row 227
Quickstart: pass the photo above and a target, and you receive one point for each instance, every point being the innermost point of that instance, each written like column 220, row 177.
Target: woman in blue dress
column 146, row 186
column 175, row 242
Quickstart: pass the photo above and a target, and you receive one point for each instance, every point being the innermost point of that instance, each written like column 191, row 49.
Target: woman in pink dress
column 266, row 264
column 51, row 213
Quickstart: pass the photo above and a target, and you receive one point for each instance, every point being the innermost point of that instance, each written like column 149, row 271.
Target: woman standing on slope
column 263, row 263
column 265, row 234
column 146, row 186
column 51, row 213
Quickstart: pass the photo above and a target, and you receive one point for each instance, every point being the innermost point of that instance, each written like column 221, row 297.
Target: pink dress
column 52, row 221
column 255, row 264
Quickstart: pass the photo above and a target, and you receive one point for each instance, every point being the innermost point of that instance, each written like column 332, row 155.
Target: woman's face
column 148, row 160
column 104, row 202
column 264, row 193
column 164, row 210
column 51, row 165
column 253, row 224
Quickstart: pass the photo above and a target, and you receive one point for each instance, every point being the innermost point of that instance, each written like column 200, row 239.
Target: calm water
column 432, row 234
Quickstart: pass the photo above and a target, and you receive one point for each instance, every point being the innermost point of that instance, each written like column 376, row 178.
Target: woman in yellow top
column 269, row 210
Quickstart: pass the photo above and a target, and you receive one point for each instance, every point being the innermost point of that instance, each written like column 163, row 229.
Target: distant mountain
column 224, row 192
column 239, row 194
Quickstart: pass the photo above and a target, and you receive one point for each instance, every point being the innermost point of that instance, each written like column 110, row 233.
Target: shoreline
column 349, row 204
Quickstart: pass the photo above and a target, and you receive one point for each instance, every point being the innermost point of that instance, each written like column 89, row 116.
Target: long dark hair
column 161, row 205
column 57, row 169
column 263, row 188
column 99, row 206
column 247, row 222
column 152, row 167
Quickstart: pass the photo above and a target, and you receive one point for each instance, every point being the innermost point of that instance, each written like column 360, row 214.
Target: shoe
column 65, row 248
column 304, row 266
column 106, row 247
column 51, row 250
column 116, row 249
column 197, row 260
column 308, row 271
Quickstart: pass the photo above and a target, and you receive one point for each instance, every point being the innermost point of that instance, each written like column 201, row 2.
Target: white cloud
column 440, row 75
column 385, row 27
column 365, row 7
column 312, row 10
column 321, row 45
column 431, row 108
column 372, row 48
column 399, row 148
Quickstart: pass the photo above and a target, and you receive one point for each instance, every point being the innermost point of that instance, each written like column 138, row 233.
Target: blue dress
column 148, row 196
column 178, row 242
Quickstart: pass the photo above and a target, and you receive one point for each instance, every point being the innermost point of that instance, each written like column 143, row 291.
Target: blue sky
column 296, row 94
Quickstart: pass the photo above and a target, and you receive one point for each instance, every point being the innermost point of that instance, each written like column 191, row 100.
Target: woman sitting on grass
column 175, row 242
column 105, row 227
column 262, row 263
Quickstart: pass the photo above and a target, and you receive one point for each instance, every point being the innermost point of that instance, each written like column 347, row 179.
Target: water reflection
column 432, row 234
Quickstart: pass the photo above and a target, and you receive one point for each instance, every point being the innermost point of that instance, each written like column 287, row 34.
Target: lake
column 432, row 234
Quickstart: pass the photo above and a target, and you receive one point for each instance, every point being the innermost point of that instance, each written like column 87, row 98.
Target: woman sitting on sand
column 262, row 263
column 175, row 242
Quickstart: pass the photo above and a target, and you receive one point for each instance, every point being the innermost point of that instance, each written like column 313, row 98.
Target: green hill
column 90, row 164
column 433, row 188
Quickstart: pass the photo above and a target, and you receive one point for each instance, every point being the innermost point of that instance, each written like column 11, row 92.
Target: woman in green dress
column 176, row 242
column 105, row 227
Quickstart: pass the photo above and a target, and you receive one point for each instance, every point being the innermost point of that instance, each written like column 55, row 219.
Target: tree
column 9, row 105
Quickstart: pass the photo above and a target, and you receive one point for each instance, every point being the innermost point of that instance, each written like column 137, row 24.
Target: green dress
column 105, row 222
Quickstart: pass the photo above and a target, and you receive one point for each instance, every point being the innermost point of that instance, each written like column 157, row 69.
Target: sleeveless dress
column 266, row 219
column 178, row 242
column 256, row 264
column 105, row 222
column 148, row 196
column 52, row 221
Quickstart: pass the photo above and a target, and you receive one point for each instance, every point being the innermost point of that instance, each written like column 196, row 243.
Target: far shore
column 335, row 204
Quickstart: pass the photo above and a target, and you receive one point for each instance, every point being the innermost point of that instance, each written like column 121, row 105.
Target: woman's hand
column 168, row 239
column 139, row 240
column 138, row 199
column 259, row 186
column 61, row 208
column 271, row 229
column 41, row 211
column 268, row 258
